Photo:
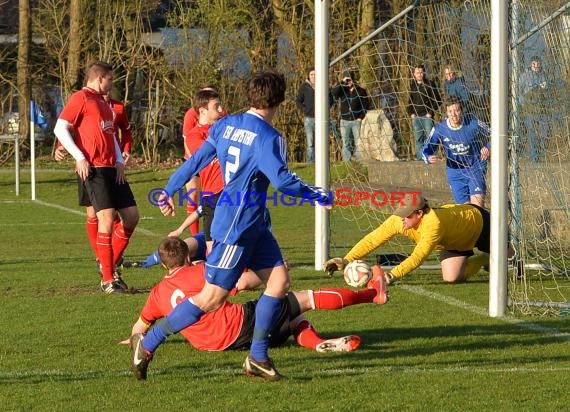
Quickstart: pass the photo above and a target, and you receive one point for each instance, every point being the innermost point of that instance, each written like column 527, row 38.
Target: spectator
column 465, row 141
column 423, row 104
column 455, row 86
column 535, row 93
column 305, row 100
column 354, row 102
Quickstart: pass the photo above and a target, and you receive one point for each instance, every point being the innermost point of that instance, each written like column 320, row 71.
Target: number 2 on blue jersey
column 231, row 167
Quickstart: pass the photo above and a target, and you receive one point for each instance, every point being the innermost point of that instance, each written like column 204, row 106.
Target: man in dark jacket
column 306, row 102
column 424, row 102
column 354, row 102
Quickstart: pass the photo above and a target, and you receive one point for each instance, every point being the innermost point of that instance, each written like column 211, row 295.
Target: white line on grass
column 418, row 290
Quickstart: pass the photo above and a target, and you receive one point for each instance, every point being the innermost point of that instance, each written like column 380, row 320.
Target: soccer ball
column 357, row 273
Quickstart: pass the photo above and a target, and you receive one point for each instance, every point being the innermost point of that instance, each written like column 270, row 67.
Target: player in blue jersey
column 465, row 141
column 252, row 155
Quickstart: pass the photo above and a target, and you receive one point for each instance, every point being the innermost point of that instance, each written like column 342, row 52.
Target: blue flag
column 37, row 116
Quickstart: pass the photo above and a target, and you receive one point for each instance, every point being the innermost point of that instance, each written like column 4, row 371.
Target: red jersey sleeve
column 123, row 125
column 152, row 311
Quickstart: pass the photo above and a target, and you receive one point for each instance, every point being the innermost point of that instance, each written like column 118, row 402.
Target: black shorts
column 102, row 191
column 483, row 241
column 289, row 310
column 208, row 209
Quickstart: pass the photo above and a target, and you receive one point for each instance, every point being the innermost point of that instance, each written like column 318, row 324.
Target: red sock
column 92, row 229
column 306, row 336
column 337, row 298
column 121, row 236
column 116, row 222
column 194, row 228
column 105, row 255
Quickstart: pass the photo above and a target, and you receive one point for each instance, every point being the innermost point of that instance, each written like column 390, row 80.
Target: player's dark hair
column 98, row 68
column 451, row 100
column 266, row 89
column 202, row 97
column 173, row 252
column 309, row 70
column 210, row 86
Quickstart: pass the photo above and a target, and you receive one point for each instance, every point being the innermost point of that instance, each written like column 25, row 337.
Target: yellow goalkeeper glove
column 335, row 264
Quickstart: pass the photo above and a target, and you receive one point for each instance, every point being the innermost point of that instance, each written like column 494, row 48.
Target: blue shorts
column 465, row 183
column 200, row 238
column 225, row 263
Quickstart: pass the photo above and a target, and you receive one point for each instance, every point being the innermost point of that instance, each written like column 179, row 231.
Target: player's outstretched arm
column 203, row 156
column 334, row 264
column 193, row 217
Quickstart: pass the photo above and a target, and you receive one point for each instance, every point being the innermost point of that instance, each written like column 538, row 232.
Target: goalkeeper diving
column 455, row 229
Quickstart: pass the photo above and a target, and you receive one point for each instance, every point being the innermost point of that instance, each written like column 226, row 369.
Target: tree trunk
column 74, row 52
column 23, row 67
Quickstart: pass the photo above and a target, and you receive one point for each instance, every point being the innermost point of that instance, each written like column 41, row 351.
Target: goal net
column 455, row 36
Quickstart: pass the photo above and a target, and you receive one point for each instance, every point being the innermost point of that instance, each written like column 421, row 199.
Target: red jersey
column 190, row 121
column 215, row 331
column 191, row 118
column 121, row 122
column 92, row 119
column 210, row 176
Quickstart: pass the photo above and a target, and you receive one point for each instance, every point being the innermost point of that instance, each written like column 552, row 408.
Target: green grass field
column 431, row 348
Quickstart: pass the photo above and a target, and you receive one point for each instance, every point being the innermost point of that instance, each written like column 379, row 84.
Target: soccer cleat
column 265, row 370
column 112, row 287
column 140, row 357
column 344, row 344
column 378, row 282
column 127, row 264
column 119, row 280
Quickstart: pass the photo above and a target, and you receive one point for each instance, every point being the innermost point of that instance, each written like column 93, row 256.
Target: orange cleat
column 378, row 282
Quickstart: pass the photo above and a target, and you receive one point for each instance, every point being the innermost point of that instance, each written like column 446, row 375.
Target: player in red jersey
column 125, row 138
column 100, row 169
column 209, row 108
column 192, row 119
column 122, row 125
column 230, row 327
column 123, row 131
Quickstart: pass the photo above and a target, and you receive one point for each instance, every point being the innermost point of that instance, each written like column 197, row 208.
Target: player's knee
column 452, row 280
column 453, row 276
column 130, row 217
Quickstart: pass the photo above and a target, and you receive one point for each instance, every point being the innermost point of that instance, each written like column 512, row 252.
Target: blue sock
column 183, row 315
column 151, row 260
column 266, row 313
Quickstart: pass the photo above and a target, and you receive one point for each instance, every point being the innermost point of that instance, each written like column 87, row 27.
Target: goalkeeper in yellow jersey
column 455, row 229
